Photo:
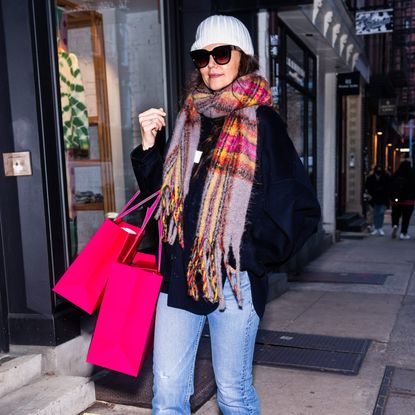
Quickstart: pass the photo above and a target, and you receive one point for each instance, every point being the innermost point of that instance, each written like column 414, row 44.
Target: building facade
column 391, row 93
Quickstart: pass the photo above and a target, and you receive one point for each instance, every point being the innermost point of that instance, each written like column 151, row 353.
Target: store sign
column 374, row 22
column 295, row 71
column 387, row 107
column 348, row 83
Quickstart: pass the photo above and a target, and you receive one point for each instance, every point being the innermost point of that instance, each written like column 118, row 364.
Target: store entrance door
column 4, row 331
column 5, row 127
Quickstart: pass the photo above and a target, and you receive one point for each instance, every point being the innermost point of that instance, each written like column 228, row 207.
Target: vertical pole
column 374, row 142
column 411, row 127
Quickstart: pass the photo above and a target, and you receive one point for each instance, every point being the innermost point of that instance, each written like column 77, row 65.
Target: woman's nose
column 212, row 62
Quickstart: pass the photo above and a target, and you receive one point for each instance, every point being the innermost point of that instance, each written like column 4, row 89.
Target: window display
column 110, row 69
column 295, row 119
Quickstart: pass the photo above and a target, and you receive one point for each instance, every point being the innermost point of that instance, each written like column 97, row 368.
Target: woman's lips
column 214, row 75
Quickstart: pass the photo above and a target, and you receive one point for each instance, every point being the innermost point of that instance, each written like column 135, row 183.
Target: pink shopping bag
column 115, row 241
column 123, row 335
column 146, row 261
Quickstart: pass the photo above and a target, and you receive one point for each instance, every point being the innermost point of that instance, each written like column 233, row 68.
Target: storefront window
column 296, row 81
column 295, row 119
column 295, row 63
column 110, row 64
column 310, row 140
column 311, row 75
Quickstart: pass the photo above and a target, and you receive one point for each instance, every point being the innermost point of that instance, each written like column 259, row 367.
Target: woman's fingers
column 151, row 121
column 152, row 113
column 151, row 124
column 159, row 111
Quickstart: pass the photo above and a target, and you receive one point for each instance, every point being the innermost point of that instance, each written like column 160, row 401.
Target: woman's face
column 217, row 76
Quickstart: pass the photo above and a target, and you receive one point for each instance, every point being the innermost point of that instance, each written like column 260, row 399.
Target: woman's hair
column 247, row 64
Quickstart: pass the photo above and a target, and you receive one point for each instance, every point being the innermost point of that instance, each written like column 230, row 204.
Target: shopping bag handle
column 125, row 211
column 160, row 226
column 136, row 194
column 149, row 214
column 150, row 211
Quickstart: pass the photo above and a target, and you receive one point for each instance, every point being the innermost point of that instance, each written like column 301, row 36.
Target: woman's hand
column 151, row 122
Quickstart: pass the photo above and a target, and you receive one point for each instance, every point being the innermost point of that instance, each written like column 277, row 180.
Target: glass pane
column 111, row 69
column 295, row 119
column 311, row 85
column 310, row 165
column 295, row 62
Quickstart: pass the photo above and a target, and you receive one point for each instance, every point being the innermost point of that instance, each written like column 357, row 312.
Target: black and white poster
column 374, row 21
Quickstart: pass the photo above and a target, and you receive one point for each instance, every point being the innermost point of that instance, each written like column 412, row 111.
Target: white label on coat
column 198, row 155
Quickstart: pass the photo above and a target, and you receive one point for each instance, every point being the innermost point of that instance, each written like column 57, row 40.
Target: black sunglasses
column 221, row 55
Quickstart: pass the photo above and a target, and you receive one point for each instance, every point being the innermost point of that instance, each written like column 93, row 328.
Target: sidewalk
column 382, row 313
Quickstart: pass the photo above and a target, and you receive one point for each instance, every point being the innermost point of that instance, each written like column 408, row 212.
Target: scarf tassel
column 171, row 210
column 234, row 278
column 202, row 262
column 207, row 263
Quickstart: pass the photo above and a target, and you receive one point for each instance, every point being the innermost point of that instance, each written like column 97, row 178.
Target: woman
column 235, row 203
column 402, row 191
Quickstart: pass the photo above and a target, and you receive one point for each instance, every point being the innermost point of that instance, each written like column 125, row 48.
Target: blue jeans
column 378, row 215
column 176, row 340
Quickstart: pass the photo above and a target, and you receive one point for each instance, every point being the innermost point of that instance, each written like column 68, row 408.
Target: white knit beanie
column 223, row 29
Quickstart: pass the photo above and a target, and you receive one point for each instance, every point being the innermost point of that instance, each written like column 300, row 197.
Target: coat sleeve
column 290, row 211
column 148, row 167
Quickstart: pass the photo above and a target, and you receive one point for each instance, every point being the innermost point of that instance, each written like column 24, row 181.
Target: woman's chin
column 216, row 84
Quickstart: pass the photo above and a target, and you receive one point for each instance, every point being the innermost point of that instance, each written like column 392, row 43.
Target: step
column 50, row 395
column 106, row 408
column 18, row 371
column 347, row 216
column 66, row 359
column 343, row 221
column 354, row 223
column 354, row 235
column 357, row 225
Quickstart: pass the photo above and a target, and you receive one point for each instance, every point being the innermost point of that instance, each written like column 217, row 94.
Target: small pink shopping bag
column 123, row 335
column 84, row 281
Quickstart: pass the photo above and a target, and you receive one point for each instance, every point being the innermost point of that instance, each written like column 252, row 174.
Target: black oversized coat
column 283, row 213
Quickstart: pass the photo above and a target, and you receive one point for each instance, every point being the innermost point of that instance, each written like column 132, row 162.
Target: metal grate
column 397, row 384
column 383, row 391
column 312, row 341
column 307, row 351
column 341, row 355
column 126, row 390
column 340, row 277
column 324, row 361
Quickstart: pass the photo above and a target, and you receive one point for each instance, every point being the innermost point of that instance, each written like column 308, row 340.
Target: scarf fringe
column 204, row 263
column 171, row 210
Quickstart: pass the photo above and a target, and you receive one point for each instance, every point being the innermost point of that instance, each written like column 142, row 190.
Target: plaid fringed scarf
column 228, row 184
